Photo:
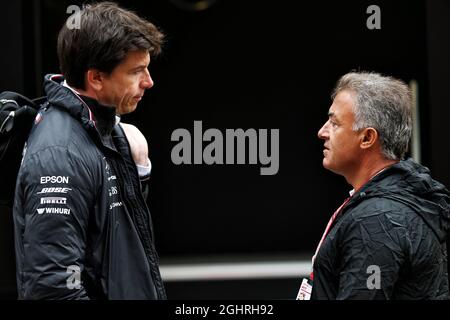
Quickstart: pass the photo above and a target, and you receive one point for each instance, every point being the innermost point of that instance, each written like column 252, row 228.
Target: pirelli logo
column 53, row 200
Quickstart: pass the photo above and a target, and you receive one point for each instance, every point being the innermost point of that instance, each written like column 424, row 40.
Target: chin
column 325, row 163
column 128, row 109
column 328, row 165
column 331, row 168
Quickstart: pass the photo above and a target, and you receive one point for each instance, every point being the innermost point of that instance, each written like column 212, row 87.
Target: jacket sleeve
column 371, row 258
column 55, row 194
column 144, row 186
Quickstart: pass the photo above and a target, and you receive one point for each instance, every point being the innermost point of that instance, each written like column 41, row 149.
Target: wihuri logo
column 235, row 139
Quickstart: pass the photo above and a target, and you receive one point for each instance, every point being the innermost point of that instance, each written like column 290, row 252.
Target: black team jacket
column 82, row 226
column 394, row 229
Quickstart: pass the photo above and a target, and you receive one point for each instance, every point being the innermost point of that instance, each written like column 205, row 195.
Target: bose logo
column 54, row 179
column 54, row 190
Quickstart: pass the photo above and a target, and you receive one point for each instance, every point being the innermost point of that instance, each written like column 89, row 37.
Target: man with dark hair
column 387, row 241
column 82, row 226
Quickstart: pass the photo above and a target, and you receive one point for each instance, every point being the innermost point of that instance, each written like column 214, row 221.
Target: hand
column 138, row 144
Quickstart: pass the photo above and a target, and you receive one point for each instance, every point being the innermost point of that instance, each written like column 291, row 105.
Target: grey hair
column 383, row 103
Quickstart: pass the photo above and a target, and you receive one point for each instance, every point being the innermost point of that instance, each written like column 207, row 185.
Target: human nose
column 147, row 81
column 323, row 132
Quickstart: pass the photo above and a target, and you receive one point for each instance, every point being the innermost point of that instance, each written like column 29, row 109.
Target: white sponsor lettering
column 112, row 191
column 115, row 204
column 112, row 178
column 54, row 210
column 52, row 200
column 54, row 179
column 54, row 190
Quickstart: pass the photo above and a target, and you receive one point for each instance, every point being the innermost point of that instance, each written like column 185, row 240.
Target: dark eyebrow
column 141, row 67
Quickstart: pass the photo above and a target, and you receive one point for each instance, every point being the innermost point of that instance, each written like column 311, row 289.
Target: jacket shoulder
column 383, row 218
column 373, row 206
column 56, row 128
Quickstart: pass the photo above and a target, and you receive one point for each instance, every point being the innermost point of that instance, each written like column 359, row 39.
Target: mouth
column 138, row 98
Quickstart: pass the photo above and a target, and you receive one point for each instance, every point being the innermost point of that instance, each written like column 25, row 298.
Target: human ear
column 94, row 79
column 368, row 138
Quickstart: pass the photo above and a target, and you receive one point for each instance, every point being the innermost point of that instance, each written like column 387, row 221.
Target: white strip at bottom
column 235, row 271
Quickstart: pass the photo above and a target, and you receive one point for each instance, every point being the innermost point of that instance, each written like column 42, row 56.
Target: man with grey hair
column 387, row 240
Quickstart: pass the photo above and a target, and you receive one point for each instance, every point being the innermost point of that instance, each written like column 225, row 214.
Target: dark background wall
column 248, row 64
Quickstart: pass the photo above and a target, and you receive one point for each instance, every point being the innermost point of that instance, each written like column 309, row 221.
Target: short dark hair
column 106, row 34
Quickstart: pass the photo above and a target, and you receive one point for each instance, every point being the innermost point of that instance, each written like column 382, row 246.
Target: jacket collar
column 65, row 98
column 104, row 116
column 87, row 110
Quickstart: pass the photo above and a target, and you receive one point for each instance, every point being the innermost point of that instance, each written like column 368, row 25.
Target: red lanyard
column 327, row 229
column 333, row 217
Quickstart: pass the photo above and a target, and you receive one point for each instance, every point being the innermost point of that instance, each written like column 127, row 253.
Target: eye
column 137, row 71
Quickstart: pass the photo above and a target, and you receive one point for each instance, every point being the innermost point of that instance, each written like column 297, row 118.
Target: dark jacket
column 82, row 227
column 398, row 222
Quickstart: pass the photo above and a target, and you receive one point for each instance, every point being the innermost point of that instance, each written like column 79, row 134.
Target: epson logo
column 53, row 200
column 54, row 190
column 54, row 179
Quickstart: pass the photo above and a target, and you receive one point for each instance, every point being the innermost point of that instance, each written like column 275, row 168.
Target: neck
column 368, row 168
column 87, row 93
column 105, row 116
